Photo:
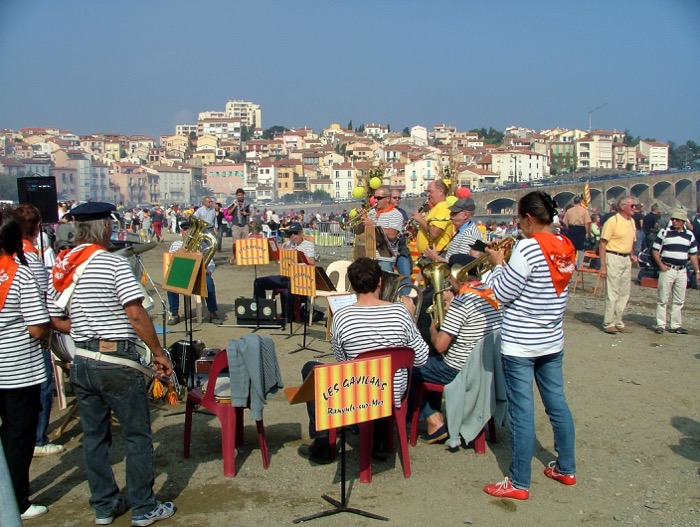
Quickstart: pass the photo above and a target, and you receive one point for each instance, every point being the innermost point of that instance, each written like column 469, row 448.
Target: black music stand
column 296, row 274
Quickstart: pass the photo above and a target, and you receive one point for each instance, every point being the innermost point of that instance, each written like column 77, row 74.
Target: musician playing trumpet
column 389, row 218
column 471, row 314
column 437, row 233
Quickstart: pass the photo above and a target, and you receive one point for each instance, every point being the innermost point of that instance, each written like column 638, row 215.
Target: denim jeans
column 46, row 397
column 404, row 266
column 102, row 388
column 386, row 266
column 311, row 405
column 435, row 371
column 547, row 373
column 174, row 298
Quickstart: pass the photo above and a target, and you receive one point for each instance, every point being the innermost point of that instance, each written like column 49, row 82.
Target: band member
column 439, row 231
column 466, row 234
column 404, row 264
column 268, row 283
column 174, row 298
column 24, row 322
column 207, row 213
column 350, row 337
column 29, row 219
column 533, row 289
column 386, row 216
column 471, row 315
column 106, row 317
column 239, row 213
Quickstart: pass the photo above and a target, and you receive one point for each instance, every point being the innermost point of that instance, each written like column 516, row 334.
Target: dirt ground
column 637, row 423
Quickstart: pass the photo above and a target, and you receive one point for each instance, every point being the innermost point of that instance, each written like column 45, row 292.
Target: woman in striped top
column 533, row 291
column 24, row 321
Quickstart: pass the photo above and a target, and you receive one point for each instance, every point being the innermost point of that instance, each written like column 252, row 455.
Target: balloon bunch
column 366, row 191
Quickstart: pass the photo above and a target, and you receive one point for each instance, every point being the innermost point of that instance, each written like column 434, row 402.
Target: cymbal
column 137, row 249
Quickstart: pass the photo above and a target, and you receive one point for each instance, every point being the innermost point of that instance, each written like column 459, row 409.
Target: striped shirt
column 363, row 328
column 468, row 320
column 39, row 270
column 392, row 219
column 96, row 307
column 675, row 246
column 307, row 247
column 21, row 357
column 532, row 311
column 464, row 239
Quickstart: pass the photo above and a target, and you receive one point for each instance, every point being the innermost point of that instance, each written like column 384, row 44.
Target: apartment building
column 656, row 155
column 224, row 178
column 245, row 112
column 517, row 166
column 185, row 129
column 344, row 178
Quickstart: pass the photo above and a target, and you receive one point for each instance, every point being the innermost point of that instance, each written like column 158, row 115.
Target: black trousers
column 19, row 411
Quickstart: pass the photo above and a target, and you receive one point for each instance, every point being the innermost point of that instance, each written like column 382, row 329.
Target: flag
column 586, row 197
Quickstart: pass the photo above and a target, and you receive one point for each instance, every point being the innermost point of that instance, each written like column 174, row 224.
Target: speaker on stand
column 40, row 191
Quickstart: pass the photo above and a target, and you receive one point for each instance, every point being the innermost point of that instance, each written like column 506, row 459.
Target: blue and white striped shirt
column 532, row 310
column 675, row 246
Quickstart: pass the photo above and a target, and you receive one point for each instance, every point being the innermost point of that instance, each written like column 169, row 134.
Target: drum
column 183, row 355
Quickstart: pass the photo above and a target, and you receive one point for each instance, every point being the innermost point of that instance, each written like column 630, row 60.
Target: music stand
column 254, row 251
column 303, row 283
column 358, row 400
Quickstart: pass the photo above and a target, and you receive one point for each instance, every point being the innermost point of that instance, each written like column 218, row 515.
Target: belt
column 101, row 357
column 676, row 267
column 618, row 254
column 105, row 346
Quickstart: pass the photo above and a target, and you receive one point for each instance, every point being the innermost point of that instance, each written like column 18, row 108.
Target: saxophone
column 412, row 227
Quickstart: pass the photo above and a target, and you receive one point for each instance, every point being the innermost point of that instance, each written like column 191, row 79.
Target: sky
column 144, row 66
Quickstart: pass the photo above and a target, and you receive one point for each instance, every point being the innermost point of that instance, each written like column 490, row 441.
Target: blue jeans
column 404, row 266
column 547, row 373
column 435, row 371
column 102, row 388
column 311, row 405
column 174, row 298
column 46, row 397
column 386, row 266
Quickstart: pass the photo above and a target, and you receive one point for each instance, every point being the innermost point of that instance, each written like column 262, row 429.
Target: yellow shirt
column 440, row 211
column 619, row 233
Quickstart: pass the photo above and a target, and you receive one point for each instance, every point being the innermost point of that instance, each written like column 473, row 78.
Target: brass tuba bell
column 199, row 241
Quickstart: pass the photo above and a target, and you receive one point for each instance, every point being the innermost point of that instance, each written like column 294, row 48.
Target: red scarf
column 559, row 253
column 8, row 270
column 28, row 247
column 480, row 290
column 68, row 261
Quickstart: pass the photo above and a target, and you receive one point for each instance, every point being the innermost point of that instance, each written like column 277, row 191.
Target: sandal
column 436, row 437
column 680, row 331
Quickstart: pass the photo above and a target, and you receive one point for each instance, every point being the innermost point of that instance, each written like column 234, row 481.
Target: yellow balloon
column 451, row 200
column 375, row 183
column 353, row 213
column 358, row 192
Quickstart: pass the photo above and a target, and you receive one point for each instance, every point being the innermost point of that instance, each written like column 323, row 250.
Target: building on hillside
column 82, row 163
column 517, row 166
column 176, row 184
column 656, row 154
column 344, row 180
column 65, row 182
column 247, row 113
column 224, row 178
column 185, row 129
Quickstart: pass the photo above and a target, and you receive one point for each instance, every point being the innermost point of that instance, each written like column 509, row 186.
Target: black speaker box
column 40, row 192
column 246, row 309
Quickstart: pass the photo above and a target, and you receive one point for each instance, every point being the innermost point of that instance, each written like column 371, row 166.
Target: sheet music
column 336, row 302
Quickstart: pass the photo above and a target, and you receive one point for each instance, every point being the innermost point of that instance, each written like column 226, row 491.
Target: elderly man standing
column 672, row 249
column 466, row 232
column 388, row 217
column 207, row 213
column 435, row 226
column 106, row 318
column 616, row 257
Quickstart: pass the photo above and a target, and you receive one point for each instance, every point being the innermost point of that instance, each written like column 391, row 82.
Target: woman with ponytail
column 24, row 321
column 533, row 289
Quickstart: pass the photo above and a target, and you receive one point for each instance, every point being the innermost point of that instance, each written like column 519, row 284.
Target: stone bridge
column 668, row 190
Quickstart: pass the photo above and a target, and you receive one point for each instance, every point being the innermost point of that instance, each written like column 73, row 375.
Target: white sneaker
column 49, row 449
column 34, row 511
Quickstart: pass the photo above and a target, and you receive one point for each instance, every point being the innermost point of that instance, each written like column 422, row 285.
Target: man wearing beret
column 671, row 250
column 95, row 298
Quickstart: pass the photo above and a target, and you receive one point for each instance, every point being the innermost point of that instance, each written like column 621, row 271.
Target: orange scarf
column 28, row 247
column 8, row 270
column 389, row 208
column 480, row 290
column 559, row 253
column 68, row 261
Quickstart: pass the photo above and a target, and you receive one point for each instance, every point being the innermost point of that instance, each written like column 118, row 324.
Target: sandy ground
column 637, row 422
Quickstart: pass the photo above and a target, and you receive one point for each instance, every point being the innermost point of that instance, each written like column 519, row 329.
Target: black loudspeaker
column 40, row 192
column 246, row 310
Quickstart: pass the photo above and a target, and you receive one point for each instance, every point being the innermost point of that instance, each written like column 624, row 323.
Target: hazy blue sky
column 143, row 66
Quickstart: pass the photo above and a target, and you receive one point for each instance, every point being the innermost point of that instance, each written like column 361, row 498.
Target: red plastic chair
column 421, row 390
column 401, row 357
column 231, row 419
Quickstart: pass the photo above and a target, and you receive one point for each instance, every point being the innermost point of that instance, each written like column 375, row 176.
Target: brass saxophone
column 411, row 229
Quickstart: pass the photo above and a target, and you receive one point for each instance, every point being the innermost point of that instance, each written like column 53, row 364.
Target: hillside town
column 230, row 149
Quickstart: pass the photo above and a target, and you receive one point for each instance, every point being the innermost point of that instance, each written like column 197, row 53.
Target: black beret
column 93, row 210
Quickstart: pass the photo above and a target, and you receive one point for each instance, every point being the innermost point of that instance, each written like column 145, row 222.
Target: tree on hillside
column 406, row 132
column 490, row 136
column 350, row 125
column 274, row 131
column 245, row 133
column 8, row 187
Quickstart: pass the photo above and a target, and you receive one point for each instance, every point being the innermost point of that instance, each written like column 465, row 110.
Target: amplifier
column 255, row 309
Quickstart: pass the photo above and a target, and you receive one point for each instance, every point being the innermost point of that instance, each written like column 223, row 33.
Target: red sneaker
column 505, row 489
column 552, row 472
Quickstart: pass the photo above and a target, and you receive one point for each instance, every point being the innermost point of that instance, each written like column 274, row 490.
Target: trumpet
column 481, row 265
column 352, row 223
